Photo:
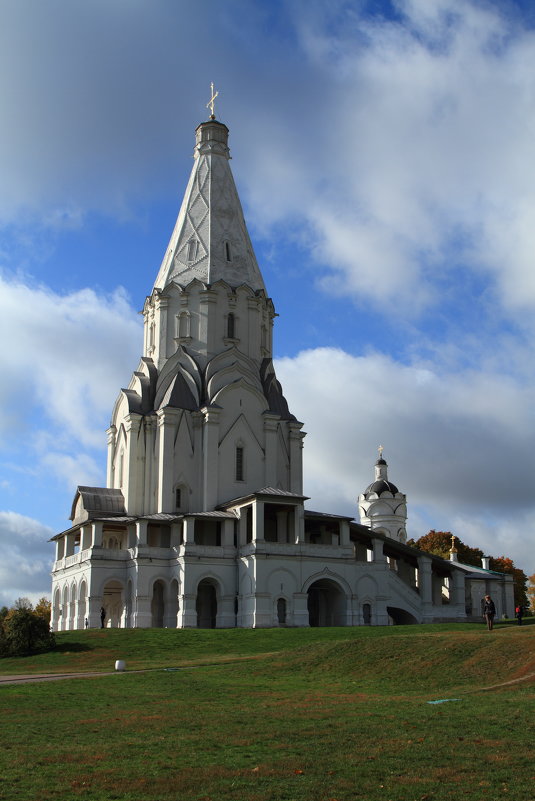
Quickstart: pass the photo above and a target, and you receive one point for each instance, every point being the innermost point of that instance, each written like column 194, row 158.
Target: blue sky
column 384, row 157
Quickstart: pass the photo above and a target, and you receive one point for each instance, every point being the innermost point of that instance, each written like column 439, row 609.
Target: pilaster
column 296, row 457
column 210, row 457
column 168, row 419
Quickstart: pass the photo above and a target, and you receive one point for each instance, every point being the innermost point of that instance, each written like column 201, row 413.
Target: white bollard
column 120, row 665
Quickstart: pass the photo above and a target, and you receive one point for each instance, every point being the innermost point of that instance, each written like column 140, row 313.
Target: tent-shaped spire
column 210, row 239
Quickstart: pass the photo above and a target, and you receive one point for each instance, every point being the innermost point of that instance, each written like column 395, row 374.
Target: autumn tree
column 531, row 593
column 504, row 565
column 439, row 543
column 43, row 608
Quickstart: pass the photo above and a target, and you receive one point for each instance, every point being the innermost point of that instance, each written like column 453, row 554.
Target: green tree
column 25, row 632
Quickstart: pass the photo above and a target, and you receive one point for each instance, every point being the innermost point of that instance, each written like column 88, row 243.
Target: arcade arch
column 206, row 604
column 326, row 604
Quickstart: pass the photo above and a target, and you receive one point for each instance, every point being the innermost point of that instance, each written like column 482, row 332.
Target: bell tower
column 382, row 507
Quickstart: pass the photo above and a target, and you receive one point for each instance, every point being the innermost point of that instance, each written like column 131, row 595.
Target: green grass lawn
column 276, row 715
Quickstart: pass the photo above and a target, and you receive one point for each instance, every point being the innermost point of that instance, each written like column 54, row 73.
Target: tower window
column 239, row 463
column 227, row 251
column 192, row 249
column 231, row 326
column 178, row 498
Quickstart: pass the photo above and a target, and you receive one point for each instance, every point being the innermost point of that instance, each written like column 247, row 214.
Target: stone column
column 226, row 618
column 143, row 613
column 227, row 534
column 189, row 531
column 282, row 526
column 378, row 555
column 141, row 532
column 300, row 609
column 69, row 543
column 85, row 537
column 93, row 611
column 299, row 524
column 345, row 541
column 457, row 593
column 187, row 616
column 425, row 586
column 242, row 527
column 176, row 533
column 258, row 521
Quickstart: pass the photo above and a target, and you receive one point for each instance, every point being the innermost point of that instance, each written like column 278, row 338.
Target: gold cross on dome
column 380, row 449
column 210, row 103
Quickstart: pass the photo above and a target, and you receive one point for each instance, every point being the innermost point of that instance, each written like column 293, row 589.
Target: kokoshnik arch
column 202, row 522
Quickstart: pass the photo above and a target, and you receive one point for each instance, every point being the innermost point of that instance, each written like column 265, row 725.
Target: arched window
column 281, row 611
column 181, row 498
column 239, row 463
column 183, row 325
column 231, row 326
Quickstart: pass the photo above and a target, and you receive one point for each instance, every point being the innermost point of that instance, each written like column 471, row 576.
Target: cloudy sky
column 384, row 153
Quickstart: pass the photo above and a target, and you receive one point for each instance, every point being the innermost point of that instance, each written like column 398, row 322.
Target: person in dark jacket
column 489, row 611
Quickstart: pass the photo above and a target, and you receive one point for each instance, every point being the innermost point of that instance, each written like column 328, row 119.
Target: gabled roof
column 99, row 501
column 270, row 492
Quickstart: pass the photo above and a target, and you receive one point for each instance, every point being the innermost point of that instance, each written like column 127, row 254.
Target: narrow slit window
column 227, row 251
column 178, row 498
column 192, row 249
column 231, row 326
column 239, row 463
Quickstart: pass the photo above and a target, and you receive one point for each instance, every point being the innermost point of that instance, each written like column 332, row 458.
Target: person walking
column 489, row 611
column 102, row 616
column 518, row 614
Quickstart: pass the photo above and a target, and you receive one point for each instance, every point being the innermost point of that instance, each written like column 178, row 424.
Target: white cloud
column 414, row 160
column 455, row 442
column 25, row 558
column 65, row 359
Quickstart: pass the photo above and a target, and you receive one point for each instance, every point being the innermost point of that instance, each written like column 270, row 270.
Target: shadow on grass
column 72, row 647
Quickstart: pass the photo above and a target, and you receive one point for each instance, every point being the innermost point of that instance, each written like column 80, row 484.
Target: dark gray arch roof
column 381, row 486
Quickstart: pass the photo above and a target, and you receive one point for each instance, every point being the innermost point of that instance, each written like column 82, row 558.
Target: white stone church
column 202, row 523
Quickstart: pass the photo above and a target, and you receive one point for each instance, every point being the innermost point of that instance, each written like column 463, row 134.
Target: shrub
column 25, row 632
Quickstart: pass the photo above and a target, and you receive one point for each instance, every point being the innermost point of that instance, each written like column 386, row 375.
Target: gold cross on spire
column 380, row 449
column 210, row 103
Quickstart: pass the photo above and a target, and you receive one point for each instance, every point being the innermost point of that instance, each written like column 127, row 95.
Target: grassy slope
column 316, row 715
